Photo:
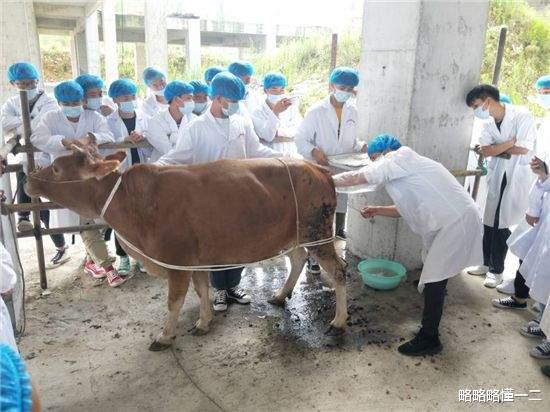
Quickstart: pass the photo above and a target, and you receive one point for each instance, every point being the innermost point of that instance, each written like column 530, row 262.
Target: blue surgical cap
column 68, row 91
column 345, row 76
column 227, row 85
column 199, row 87
column 89, row 81
column 122, row 87
column 150, row 74
column 15, row 384
column 504, row 98
column 274, row 79
column 211, row 72
column 241, row 68
column 177, row 88
column 383, row 142
column 543, row 82
column 22, row 71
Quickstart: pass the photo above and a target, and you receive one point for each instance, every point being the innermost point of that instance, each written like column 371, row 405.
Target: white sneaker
column 478, row 270
column 507, row 287
column 220, row 300
column 492, row 280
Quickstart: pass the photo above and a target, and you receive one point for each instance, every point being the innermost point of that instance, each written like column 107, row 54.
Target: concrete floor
column 86, row 347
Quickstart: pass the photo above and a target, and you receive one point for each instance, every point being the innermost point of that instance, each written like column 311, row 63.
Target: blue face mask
column 127, row 107
column 187, row 107
column 232, row 108
column 32, row 93
column 200, row 107
column 93, row 103
column 72, row 111
column 341, row 96
column 482, row 113
column 544, row 100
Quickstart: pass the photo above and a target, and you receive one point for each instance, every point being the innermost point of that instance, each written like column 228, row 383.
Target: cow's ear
column 104, row 168
column 120, row 156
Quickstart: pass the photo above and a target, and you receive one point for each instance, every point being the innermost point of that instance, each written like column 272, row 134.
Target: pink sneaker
column 97, row 272
column 114, row 279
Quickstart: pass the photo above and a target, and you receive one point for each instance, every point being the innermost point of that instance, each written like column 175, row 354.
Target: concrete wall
column 418, row 60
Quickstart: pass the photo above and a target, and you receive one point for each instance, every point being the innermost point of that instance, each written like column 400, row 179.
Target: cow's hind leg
column 330, row 261
column 178, row 283
column 297, row 261
column 200, row 282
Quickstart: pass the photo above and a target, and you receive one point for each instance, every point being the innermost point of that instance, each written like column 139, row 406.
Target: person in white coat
column 244, row 71
column 330, row 128
column 164, row 130
column 508, row 139
column 542, row 86
column 200, row 97
column 8, row 279
column 221, row 133
column 24, row 76
column 93, row 94
column 277, row 118
column 127, row 124
column 57, row 133
column 155, row 80
column 436, row 207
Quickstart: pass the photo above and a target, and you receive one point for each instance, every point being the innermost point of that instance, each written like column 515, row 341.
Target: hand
column 531, row 220
column 537, row 166
column 319, row 157
column 106, row 110
column 370, row 211
column 67, row 143
column 477, row 149
column 365, row 148
column 136, row 136
column 281, row 105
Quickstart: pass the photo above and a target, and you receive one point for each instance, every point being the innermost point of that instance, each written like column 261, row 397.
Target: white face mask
column 342, row 96
column 127, row 107
column 93, row 103
column 200, row 107
column 187, row 107
column 32, row 93
column 232, row 108
column 544, row 100
column 275, row 98
column 481, row 113
column 159, row 93
column 72, row 111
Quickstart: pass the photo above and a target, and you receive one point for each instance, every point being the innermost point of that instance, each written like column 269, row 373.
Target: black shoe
column 420, row 346
column 545, row 370
column 220, row 300
column 341, row 233
column 238, row 295
column 59, row 258
column 508, row 303
column 313, row 267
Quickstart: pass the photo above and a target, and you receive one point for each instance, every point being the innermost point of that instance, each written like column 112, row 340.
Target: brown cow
column 224, row 212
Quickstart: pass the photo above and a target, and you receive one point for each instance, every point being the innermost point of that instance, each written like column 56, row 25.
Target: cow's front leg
column 297, row 261
column 178, row 283
column 200, row 282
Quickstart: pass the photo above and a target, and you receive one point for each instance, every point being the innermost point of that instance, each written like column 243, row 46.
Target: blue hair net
column 199, row 87
column 22, row 71
column 177, row 88
column 211, row 72
column 543, row 82
column 241, row 68
column 383, row 142
column 150, row 74
column 345, row 76
column 89, row 81
column 504, row 98
column 68, row 91
column 122, row 87
column 15, row 385
column 274, row 79
column 227, row 85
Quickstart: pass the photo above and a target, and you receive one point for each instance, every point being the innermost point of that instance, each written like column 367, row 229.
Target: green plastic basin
column 381, row 274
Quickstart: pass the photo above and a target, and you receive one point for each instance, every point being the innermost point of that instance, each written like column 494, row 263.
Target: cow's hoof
column 157, row 346
column 198, row 331
column 276, row 301
column 334, row 331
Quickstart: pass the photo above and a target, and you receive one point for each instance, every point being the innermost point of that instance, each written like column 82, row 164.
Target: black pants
column 340, row 224
column 494, row 239
column 22, row 197
column 521, row 290
column 434, row 297
column 226, row 279
column 119, row 251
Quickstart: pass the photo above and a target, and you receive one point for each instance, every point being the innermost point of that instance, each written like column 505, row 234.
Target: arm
column 101, row 130
column 44, row 140
column 388, row 211
column 49, row 105
column 182, row 153
column 498, row 148
column 516, row 150
column 265, row 124
column 11, row 119
column 305, row 136
column 157, row 136
column 352, row 178
column 254, row 148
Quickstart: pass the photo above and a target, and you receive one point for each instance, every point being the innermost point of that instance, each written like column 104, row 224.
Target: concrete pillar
column 418, row 61
column 92, row 44
column 19, row 39
column 74, row 56
column 109, row 41
column 80, row 51
column 140, row 60
column 270, row 30
column 193, row 44
column 156, row 41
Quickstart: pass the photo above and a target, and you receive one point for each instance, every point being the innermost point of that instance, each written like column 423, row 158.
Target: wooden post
column 333, row 51
column 26, row 116
column 500, row 55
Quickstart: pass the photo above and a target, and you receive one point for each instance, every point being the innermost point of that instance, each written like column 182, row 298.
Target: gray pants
column 226, row 279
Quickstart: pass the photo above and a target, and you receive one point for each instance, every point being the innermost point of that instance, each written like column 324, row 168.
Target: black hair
column 482, row 92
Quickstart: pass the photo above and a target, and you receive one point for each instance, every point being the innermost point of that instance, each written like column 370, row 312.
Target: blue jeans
column 226, row 279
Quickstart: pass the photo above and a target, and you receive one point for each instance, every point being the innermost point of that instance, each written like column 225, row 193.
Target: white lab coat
column 163, row 133
column 53, row 127
column 267, row 126
column 7, row 283
column 120, row 134
column 543, row 139
column 519, row 123
column 209, row 139
column 436, row 207
column 12, row 120
column 151, row 107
